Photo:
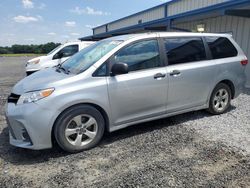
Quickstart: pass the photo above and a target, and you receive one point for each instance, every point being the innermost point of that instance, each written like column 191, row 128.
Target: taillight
column 244, row 62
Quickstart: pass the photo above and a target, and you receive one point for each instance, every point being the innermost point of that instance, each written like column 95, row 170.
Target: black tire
column 220, row 87
column 66, row 117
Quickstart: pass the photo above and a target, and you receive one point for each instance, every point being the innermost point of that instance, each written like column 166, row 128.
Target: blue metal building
column 217, row 16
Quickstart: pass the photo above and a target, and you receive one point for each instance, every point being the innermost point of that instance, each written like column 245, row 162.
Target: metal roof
column 220, row 8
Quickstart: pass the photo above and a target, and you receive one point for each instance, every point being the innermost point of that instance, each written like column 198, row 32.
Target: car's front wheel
column 79, row 128
column 220, row 99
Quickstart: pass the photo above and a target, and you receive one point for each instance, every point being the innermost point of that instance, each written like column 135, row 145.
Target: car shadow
column 247, row 91
column 156, row 125
column 20, row 156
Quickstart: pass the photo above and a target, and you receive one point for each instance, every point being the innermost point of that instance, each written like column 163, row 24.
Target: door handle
column 159, row 75
column 175, row 73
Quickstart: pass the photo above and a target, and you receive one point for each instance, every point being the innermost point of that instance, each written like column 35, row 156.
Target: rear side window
column 140, row 55
column 221, row 47
column 184, row 50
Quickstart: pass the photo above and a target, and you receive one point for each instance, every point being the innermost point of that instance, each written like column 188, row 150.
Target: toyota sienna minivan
column 121, row 81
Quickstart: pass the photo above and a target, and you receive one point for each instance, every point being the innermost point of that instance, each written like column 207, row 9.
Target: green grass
column 19, row 55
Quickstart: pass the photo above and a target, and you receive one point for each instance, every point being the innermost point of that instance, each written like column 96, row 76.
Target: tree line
column 33, row 49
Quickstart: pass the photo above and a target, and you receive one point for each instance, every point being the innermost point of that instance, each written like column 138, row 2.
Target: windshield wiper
column 60, row 67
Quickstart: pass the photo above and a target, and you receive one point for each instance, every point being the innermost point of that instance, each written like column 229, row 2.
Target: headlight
column 34, row 96
column 34, row 62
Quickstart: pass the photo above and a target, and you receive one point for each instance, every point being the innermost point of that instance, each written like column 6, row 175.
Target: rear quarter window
column 184, row 50
column 221, row 47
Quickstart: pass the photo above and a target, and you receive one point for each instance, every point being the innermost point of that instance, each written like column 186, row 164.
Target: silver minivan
column 121, row 81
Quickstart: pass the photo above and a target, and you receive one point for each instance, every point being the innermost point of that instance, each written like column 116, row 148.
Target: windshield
column 82, row 60
column 55, row 49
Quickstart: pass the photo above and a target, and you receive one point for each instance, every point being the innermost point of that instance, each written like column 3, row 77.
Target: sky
column 42, row 21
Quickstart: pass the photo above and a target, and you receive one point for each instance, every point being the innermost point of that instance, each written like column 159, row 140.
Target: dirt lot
column 190, row 150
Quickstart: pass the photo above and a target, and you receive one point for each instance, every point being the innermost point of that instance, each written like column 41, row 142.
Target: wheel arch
column 225, row 81
column 99, row 108
column 231, row 86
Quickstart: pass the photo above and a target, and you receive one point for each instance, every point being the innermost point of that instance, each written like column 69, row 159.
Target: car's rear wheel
column 220, row 100
column 79, row 128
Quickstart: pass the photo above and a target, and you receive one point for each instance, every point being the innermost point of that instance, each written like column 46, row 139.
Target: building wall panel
column 99, row 30
column 188, row 5
column 239, row 27
column 150, row 15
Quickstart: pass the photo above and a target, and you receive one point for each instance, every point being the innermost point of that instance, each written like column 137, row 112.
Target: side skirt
column 115, row 128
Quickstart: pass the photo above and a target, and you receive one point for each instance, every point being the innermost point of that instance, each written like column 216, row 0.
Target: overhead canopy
column 232, row 8
column 238, row 12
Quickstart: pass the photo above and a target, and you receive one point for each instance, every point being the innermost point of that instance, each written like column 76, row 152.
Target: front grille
column 13, row 98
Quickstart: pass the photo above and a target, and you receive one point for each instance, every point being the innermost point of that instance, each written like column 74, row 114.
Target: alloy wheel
column 81, row 130
column 221, row 100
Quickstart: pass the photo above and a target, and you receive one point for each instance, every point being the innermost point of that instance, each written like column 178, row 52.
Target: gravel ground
column 189, row 150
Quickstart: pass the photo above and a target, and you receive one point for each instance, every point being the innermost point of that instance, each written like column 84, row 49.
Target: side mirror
column 119, row 68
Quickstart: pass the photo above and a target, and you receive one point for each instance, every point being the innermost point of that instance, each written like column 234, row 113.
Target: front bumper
column 32, row 67
column 30, row 125
column 30, row 72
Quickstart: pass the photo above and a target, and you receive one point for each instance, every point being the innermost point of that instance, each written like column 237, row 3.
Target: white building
column 217, row 16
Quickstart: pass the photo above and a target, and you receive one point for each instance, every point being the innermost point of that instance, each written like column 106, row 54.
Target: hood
column 39, row 80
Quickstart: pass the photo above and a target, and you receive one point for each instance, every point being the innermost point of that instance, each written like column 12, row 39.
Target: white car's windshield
column 58, row 47
column 82, row 60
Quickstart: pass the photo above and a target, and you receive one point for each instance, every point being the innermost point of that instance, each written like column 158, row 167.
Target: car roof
column 179, row 34
column 165, row 34
column 78, row 42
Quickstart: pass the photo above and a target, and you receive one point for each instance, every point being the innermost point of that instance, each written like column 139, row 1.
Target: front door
column 142, row 93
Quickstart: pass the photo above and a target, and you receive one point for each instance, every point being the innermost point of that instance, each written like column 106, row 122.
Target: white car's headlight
column 34, row 62
column 34, row 96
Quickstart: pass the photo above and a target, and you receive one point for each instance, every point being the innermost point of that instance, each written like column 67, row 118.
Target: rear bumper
column 240, row 89
column 240, row 86
column 30, row 126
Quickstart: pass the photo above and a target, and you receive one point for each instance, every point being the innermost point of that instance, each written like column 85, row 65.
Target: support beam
column 117, row 34
column 180, row 29
column 238, row 12
column 159, row 28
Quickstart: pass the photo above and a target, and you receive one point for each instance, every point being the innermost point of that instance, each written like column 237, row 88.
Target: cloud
column 70, row 23
column 9, row 34
column 30, row 39
column 51, row 33
column 40, row 17
column 65, row 36
column 25, row 19
column 89, row 26
column 165, row 1
column 41, row 6
column 75, row 34
column 89, row 11
column 27, row 4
